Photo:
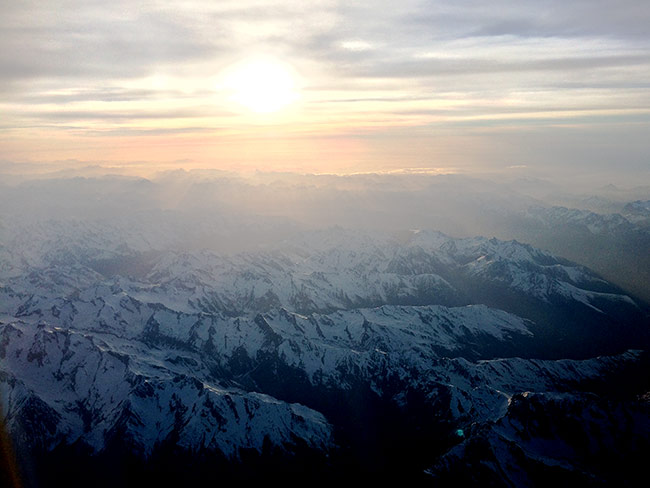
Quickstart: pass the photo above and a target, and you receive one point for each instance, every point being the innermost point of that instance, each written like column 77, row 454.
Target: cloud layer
column 79, row 74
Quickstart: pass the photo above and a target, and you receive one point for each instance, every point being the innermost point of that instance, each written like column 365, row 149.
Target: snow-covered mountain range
column 339, row 344
column 345, row 351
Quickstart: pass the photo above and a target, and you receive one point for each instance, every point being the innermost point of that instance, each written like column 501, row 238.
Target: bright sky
column 327, row 86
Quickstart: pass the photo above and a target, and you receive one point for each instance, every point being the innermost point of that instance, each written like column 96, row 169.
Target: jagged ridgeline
column 127, row 358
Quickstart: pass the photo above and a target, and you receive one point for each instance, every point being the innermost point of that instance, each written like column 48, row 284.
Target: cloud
column 468, row 66
column 625, row 19
column 83, row 40
column 366, row 66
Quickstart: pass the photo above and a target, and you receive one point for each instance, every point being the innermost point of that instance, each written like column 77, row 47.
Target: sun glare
column 262, row 86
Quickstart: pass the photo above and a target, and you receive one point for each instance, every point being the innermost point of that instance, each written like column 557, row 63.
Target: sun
column 262, row 85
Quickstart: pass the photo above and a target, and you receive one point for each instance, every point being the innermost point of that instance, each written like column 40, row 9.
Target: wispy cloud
column 152, row 67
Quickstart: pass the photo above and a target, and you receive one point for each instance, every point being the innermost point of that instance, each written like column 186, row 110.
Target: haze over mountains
column 205, row 326
column 604, row 228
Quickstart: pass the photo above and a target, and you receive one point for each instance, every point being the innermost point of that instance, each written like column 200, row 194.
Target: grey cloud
column 107, row 94
column 395, row 99
column 601, row 35
column 527, row 111
column 130, row 132
column 530, row 18
column 472, row 66
column 68, row 40
column 118, row 115
column 91, row 40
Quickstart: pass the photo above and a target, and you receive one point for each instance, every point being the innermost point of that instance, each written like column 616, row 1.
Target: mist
column 597, row 226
